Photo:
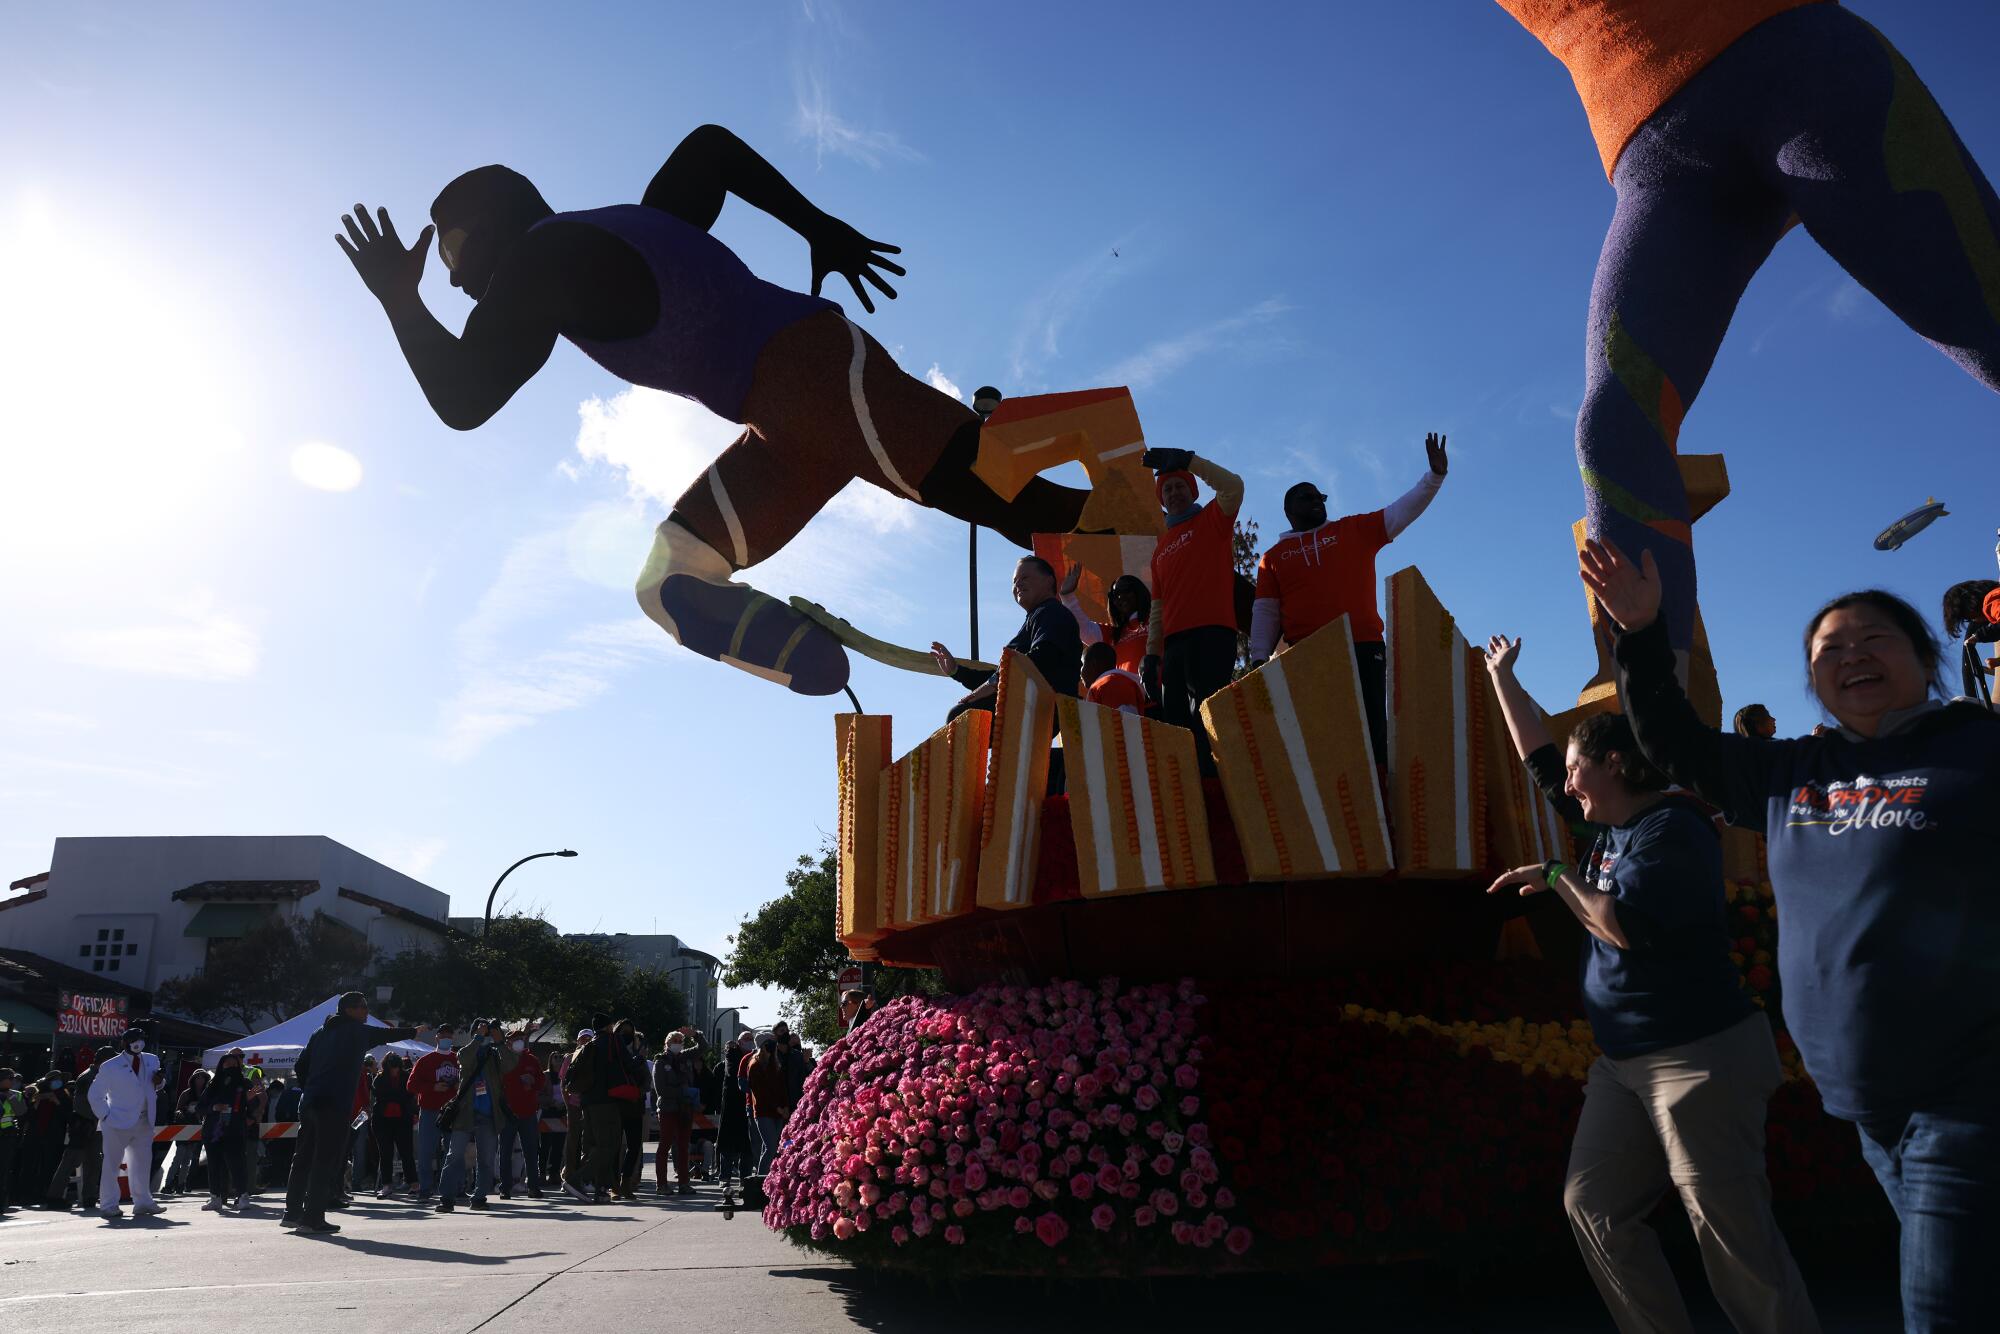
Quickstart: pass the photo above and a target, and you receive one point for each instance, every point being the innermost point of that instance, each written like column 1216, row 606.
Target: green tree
column 275, row 970
column 649, row 998
column 789, row 944
column 523, row 968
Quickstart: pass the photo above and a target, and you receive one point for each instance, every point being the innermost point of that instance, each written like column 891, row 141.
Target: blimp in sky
column 1907, row 527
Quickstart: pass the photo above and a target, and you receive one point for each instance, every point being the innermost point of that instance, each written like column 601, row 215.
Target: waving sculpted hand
column 378, row 254
column 838, row 248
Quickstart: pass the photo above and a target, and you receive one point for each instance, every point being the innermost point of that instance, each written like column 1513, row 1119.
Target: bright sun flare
column 118, row 429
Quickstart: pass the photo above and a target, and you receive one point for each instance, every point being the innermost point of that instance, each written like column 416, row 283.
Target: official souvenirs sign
column 82, row 1016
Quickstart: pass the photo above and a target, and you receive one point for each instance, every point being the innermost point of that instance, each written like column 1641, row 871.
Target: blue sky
column 1337, row 227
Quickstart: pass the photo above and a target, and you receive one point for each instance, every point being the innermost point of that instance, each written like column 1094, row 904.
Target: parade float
column 1266, row 1021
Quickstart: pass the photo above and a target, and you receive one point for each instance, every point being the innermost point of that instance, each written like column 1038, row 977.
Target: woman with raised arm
column 1889, row 941
column 1677, row 1101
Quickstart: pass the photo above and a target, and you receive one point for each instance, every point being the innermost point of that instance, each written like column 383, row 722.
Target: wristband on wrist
column 1551, row 871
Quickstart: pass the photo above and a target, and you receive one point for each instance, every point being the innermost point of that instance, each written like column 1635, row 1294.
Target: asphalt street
column 676, row 1263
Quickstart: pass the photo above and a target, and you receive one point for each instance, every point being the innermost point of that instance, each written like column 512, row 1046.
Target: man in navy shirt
column 1048, row 635
column 1678, row 1099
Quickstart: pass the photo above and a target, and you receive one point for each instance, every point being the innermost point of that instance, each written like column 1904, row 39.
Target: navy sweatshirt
column 1888, row 902
column 1664, row 869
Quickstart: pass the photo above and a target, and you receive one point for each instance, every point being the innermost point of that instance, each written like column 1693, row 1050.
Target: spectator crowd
column 485, row 1110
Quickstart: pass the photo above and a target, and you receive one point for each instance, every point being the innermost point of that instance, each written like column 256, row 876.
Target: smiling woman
column 326, row 467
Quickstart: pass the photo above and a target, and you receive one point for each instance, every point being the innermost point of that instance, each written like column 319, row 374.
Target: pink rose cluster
column 1059, row 1113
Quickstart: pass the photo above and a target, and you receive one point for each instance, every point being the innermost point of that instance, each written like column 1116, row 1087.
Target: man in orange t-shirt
column 1191, row 637
column 1321, row 571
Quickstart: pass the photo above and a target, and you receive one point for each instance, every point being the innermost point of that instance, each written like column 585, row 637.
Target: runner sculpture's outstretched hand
column 378, row 255
column 838, row 248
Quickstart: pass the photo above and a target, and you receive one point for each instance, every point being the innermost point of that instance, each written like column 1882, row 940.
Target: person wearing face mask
column 574, row 1077
column 13, row 1132
column 392, row 1120
column 596, row 1070
column 734, row 1148
column 48, row 1132
column 122, row 1100
column 187, row 1153
column 1880, row 844
column 330, row 1069
column 433, row 1081
column 471, row 1120
column 226, row 1131
column 521, row 1117
column 83, row 1151
column 677, row 1086
column 635, row 1081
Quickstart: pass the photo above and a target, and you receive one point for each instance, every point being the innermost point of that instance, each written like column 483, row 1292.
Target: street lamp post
column 984, row 400
column 566, row 852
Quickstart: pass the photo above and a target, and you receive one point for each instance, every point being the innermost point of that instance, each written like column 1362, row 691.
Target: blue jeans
column 528, row 1130
column 488, row 1144
column 1941, row 1172
column 427, row 1145
column 767, row 1134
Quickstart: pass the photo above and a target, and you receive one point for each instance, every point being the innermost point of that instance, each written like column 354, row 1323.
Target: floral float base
column 1096, row 1129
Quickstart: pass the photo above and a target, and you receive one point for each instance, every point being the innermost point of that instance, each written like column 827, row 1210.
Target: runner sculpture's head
column 480, row 218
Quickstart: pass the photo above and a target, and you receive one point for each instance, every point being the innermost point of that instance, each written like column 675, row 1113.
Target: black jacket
column 330, row 1066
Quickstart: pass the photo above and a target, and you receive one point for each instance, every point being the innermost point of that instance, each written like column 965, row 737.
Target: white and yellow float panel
column 1017, row 781
column 1439, row 705
column 1135, row 803
column 1292, row 749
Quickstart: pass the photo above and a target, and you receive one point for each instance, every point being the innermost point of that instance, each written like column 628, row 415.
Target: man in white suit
column 122, row 1096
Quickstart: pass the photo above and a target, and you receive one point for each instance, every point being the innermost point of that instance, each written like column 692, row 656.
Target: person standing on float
column 1721, row 124
column 648, row 294
column 1322, row 570
column 1191, row 634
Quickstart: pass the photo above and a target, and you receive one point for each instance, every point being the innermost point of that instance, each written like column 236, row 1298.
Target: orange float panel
column 863, row 744
column 1291, row 745
column 1098, row 428
column 1439, row 703
column 934, row 811
column 1017, row 779
column 1135, row 802
column 1104, row 556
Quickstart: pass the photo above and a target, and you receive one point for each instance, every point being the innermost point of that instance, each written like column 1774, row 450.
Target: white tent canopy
column 277, row 1048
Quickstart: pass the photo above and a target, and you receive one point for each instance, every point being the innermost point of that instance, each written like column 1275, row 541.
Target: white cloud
column 943, row 383
column 413, row 854
column 830, row 132
column 195, row 641
column 1058, row 306
column 504, row 693
column 1157, row 360
column 326, row 467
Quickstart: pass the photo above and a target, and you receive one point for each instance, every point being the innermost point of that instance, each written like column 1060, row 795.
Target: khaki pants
column 1688, row 1119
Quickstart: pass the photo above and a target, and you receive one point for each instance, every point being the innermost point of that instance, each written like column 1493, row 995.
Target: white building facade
column 141, row 911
